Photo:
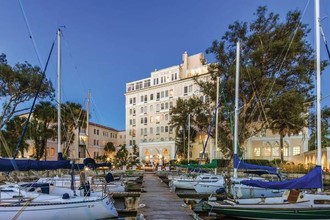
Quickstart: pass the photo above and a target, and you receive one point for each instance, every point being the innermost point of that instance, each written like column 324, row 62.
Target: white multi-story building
column 148, row 103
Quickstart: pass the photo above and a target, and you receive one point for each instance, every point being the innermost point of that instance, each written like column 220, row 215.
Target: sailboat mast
column 59, row 149
column 318, row 81
column 188, row 138
column 87, row 124
column 236, row 103
column 217, row 119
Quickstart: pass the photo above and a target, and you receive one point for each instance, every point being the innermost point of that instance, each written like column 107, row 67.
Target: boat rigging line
column 30, row 34
column 324, row 39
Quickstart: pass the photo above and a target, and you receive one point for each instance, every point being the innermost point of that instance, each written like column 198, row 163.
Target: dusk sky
column 107, row 43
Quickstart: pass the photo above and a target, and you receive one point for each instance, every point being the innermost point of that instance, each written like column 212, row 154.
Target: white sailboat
column 16, row 203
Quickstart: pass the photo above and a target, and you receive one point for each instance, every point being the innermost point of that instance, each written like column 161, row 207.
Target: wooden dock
column 158, row 202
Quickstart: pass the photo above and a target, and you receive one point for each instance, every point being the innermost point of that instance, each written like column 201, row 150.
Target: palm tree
column 73, row 118
column 109, row 148
column 42, row 127
column 11, row 136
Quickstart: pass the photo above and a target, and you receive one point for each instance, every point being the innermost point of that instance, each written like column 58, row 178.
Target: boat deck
column 158, row 202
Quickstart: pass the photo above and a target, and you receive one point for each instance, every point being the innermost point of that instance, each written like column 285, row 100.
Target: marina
column 235, row 132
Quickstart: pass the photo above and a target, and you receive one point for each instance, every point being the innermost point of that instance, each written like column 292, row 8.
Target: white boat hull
column 209, row 188
column 72, row 209
column 245, row 192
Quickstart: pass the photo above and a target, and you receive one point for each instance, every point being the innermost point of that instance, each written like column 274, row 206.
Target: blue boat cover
column 311, row 180
column 8, row 165
column 239, row 164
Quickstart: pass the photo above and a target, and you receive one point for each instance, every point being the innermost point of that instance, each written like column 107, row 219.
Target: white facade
column 148, row 103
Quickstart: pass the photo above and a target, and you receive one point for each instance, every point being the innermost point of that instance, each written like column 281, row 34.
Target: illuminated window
column 276, row 149
column 296, row 150
column 268, row 150
column 256, row 151
column 286, row 149
column 52, row 152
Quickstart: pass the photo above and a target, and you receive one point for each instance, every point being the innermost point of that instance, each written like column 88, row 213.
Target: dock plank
column 158, row 202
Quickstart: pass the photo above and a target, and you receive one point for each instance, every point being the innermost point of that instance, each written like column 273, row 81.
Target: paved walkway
column 158, row 202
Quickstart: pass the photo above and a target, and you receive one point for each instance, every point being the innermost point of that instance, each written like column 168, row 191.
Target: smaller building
column 86, row 144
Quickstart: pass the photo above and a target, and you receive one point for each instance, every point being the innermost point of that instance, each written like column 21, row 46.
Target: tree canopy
column 276, row 71
column 19, row 84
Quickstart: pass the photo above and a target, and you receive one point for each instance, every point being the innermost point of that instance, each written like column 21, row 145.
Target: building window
column 171, row 93
column 145, row 120
column 256, row 151
column 141, row 110
column 296, row 150
column 147, row 83
column 151, row 96
column 190, row 88
column 138, row 85
column 268, row 150
column 166, row 128
column 145, row 98
column 157, row 119
column 166, row 117
column 276, row 150
column 94, row 131
column 151, row 119
column 141, row 120
column 141, row 131
column 158, row 96
column 52, row 152
column 185, row 90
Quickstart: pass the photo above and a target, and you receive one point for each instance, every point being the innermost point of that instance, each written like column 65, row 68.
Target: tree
column 325, row 124
column 288, row 116
column 122, row 156
column 42, row 127
column 109, row 148
column 12, row 134
column 179, row 121
column 276, row 61
column 19, row 84
column 73, row 118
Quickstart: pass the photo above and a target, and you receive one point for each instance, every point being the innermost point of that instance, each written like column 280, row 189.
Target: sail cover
column 8, row 165
column 311, row 180
column 239, row 164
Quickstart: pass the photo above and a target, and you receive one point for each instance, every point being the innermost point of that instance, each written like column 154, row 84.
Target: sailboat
column 18, row 203
column 294, row 203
